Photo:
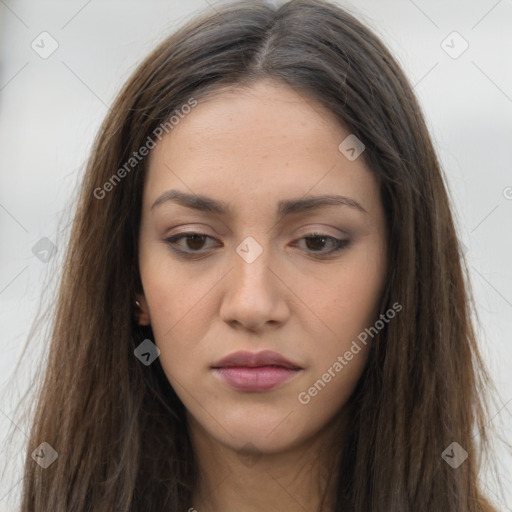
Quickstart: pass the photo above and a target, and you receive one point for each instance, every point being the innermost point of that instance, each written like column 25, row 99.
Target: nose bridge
column 251, row 261
column 251, row 296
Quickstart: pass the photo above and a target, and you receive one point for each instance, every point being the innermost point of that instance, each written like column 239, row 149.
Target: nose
column 254, row 294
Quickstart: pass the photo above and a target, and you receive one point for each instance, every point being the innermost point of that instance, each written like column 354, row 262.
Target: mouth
column 255, row 372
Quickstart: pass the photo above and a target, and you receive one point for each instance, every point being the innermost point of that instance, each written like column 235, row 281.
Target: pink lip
column 248, row 371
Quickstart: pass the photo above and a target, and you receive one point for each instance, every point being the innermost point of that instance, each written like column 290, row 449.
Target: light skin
column 252, row 148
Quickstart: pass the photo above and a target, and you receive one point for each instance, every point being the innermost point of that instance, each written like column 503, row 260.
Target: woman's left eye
column 315, row 243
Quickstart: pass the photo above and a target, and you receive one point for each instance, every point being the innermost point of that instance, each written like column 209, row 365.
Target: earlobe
column 142, row 310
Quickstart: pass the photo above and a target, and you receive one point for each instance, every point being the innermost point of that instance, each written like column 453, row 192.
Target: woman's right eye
column 194, row 242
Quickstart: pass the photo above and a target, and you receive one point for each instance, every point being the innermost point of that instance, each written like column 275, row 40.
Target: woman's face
column 248, row 169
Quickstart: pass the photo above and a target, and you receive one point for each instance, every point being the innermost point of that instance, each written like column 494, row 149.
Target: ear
column 142, row 312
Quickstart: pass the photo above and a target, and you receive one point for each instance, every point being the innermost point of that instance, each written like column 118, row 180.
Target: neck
column 294, row 480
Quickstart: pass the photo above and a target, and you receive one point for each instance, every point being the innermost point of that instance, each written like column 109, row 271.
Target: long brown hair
column 118, row 427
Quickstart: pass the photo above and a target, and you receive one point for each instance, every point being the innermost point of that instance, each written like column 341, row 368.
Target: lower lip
column 261, row 378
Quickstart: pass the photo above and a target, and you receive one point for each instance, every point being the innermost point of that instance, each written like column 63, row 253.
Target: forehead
column 267, row 140
column 261, row 118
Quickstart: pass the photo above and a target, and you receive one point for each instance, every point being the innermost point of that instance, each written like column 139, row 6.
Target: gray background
column 50, row 110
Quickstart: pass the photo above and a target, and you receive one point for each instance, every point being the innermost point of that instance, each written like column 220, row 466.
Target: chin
column 265, row 433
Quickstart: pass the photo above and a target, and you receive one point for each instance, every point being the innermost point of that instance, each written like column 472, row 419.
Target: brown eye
column 193, row 243
column 316, row 243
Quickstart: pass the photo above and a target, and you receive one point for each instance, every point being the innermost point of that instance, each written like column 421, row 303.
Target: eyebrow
column 284, row 208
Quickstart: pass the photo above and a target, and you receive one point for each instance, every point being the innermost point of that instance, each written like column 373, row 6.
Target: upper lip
column 253, row 360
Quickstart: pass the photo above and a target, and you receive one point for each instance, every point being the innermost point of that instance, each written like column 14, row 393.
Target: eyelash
column 339, row 244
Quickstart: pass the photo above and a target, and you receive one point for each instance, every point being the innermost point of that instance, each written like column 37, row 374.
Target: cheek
column 182, row 312
column 342, row 347
column 174, row 293
column 346, row 297
column 179, row 313
column 345, row 303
